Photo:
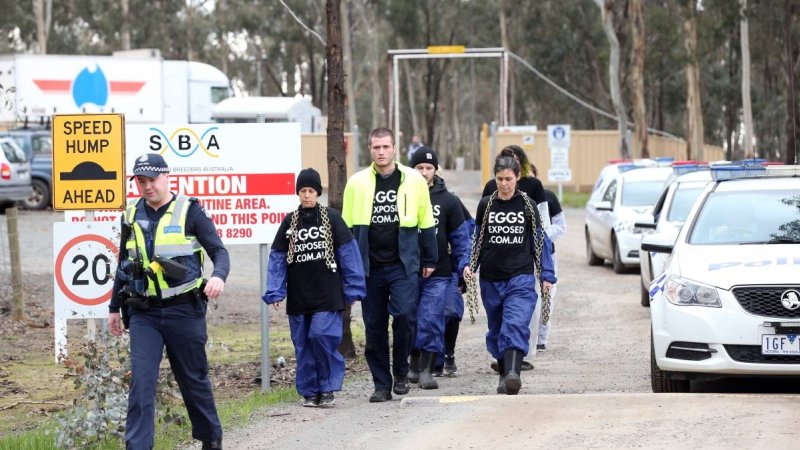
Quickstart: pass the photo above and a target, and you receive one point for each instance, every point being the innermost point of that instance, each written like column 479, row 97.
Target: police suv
column 614, row 207
column 728, row 302
column 670, row 211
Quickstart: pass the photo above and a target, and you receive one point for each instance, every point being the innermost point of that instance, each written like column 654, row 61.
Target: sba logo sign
column 184, row 142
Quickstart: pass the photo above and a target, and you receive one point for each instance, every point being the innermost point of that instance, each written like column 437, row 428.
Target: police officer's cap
column 150, row 165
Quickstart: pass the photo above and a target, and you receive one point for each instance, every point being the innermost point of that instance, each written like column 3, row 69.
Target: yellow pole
column 486, row 165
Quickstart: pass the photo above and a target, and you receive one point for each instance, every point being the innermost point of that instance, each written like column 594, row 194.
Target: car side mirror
column 604, row 206
column 657, row 243
column 645, row 225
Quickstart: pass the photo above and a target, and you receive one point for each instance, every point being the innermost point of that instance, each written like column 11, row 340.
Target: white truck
column 138, row 83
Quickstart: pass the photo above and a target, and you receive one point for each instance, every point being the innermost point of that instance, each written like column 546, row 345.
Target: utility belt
column 195, row 296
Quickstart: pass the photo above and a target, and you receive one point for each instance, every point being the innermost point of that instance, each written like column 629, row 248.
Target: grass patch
column 575, row 199
column 233, row 413
column 236, row 343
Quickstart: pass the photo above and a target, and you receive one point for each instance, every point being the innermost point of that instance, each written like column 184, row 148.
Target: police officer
column 161, row 273
column 509, row 248
column 452, row 239
column 314, row 243
column 388, row 209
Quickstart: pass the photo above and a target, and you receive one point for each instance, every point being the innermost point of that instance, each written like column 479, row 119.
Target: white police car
column 728, row 302
column 668, row 215
column 613, row 209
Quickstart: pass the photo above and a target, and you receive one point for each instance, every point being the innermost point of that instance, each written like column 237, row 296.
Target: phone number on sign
column 233, row 233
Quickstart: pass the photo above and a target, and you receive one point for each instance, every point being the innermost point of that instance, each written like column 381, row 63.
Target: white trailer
column 274, row 109
column 139, row 84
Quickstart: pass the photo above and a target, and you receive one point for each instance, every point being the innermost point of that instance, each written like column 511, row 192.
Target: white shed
column 275, row 109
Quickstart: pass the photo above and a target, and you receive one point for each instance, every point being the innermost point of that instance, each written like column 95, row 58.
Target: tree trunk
column 352, row 117
column 412, row 102
column 747, row 108
column 637, row 79
column 606, row 6
column 791, row 71
column 43, row 12
column 694, row 111
column 125, row 29
column 189, row 30
column 507, row 45
column 337, row 174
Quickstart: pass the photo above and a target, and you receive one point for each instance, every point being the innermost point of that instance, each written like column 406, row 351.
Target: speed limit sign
column 85, row 261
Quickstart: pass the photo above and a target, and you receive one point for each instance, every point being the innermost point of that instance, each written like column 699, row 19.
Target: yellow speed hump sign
column 88, row 161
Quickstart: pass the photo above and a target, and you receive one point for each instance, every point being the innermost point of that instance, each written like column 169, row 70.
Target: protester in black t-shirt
column 510, row 237
column 316, row 266
column 453, row 243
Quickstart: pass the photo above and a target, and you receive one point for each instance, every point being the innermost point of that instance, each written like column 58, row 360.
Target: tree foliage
column 264, row 50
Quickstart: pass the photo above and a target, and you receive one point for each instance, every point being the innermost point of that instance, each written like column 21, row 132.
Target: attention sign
column 88, row 162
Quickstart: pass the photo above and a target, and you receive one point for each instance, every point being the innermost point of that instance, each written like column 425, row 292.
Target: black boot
column 501, row 384
column 413, row 366
column 212, row 445
column 426, row 361
column 513, row 368
column 451, row 326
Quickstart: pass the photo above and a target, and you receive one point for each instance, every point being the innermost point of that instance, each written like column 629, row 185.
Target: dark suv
column 37, row 143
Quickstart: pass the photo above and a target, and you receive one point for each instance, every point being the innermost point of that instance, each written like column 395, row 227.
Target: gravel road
column 591, row 388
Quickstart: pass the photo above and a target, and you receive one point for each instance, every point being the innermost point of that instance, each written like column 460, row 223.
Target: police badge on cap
column 150, row 165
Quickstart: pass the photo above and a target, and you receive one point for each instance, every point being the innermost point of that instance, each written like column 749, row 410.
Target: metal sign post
column 558, row 141
column 446, row 52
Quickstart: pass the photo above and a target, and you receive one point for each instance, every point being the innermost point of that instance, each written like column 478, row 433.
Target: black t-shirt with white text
column 506, row 250
column 385, row 222
column 447, row 216
column 311, row 285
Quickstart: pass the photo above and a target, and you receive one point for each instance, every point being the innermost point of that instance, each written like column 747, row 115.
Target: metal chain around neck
column 477, row 244
column 325, row 230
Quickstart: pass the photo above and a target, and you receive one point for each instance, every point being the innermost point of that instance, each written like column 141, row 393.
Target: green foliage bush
column 102, row 371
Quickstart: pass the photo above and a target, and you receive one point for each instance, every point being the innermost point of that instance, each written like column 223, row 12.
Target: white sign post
column 85, row 256
column 242, row 174
column 558, row 141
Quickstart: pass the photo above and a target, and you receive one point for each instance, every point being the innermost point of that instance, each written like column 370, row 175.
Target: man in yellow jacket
column 388, row 208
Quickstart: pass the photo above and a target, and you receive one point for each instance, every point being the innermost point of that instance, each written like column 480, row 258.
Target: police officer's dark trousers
column 182, row 329
column 390, row 291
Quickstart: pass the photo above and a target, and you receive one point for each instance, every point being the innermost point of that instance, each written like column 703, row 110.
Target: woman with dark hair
column 510, row 247
column 527, row 183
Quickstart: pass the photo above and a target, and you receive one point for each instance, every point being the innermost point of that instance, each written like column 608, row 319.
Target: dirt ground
column 599, row 351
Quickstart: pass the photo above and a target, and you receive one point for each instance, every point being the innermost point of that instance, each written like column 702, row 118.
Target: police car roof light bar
column 721, row 172
column 782, row 171
column 626, row 167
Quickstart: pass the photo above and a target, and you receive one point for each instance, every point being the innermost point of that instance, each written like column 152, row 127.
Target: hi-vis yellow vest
column 170, row 242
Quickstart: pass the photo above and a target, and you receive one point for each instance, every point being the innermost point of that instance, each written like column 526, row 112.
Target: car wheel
column 40, row 196
column 645, row 294
column 662, row 381
column 4, row 206
column 591, row 258
column 618, row 266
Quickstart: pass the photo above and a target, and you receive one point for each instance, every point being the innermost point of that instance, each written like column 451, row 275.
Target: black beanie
column 424, row 154
column 308, row 178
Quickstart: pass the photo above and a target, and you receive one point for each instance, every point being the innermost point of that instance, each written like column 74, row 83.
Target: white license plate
column 780, row 344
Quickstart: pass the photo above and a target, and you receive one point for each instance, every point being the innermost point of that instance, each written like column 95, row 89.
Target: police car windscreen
column 641, row 193
column 748, row 217
column 682, row 202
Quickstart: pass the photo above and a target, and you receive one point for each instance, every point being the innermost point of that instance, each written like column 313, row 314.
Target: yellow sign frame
column 88, row 162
